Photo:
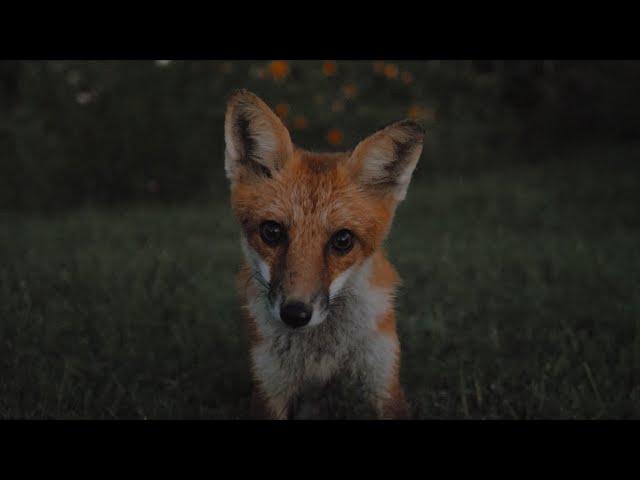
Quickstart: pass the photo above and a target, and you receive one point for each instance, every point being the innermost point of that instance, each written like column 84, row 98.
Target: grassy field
column 521, row 299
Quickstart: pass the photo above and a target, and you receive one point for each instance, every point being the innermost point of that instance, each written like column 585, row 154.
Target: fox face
column 311, row 222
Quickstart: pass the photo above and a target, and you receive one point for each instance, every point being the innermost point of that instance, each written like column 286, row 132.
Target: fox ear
column 385, row 160
column 257, row 143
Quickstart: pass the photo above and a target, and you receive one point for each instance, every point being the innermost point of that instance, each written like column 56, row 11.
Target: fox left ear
column 257, row 142
column 385, row 161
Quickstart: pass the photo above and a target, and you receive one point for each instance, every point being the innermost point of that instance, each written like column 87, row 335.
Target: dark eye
column 271, row 233
column 342, row 241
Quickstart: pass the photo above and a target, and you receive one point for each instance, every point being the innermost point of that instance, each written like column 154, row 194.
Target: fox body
column 317, row 288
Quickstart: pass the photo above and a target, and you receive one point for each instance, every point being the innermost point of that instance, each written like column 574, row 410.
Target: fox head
column 311, row 221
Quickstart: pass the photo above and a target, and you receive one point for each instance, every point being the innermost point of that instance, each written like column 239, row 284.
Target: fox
column 316, row 287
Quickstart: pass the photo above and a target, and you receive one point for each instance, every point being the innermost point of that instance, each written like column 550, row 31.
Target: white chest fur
column 347, row 344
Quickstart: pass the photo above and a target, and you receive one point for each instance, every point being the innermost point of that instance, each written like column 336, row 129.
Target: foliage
column 77, row 133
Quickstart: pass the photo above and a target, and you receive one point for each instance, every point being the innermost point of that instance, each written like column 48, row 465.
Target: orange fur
column 335, row 202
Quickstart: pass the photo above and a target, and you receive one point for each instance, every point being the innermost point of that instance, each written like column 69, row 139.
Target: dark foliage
column 103, row 132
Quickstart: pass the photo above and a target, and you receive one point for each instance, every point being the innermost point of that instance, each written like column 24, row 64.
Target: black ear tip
column 414, row 128
column 240, row 94
column 239, row 91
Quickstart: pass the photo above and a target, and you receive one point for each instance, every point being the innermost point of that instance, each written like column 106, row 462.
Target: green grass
column 521, row 299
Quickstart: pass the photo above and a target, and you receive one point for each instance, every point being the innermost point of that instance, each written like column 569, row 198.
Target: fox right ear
column 257, row 143
column 385, row 160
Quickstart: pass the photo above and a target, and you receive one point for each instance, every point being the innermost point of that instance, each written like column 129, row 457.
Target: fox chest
column 323, row 376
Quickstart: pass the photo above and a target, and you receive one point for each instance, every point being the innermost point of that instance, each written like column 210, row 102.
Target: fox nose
column 296, row 314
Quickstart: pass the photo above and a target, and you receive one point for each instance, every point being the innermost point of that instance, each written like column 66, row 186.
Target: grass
column 521, row 299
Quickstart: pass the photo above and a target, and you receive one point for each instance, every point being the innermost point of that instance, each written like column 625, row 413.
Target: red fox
column 318, row 291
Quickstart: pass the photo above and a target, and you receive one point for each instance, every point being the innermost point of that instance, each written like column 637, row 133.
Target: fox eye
column 342, row 241
column 271, row 233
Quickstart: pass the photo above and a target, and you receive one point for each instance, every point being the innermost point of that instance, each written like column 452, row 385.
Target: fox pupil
column 271, row 232
column 342, row 241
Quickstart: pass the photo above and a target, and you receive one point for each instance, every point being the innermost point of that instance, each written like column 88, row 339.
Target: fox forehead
column 315, row 190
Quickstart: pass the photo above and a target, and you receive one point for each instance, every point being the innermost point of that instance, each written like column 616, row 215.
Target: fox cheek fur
column 316, row 285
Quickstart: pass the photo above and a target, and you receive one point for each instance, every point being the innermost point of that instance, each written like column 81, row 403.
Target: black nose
column 295, row 314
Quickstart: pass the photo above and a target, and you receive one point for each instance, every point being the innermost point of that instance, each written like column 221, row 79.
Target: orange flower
column 300, row 123
column 282, row 110
column 335, row 137
column 391, row 70
column 406, row 77
column 279, row 69
column 378, row 67
column 329, row 68
column 349, row 90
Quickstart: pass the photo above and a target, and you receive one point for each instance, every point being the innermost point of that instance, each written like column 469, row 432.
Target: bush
column 104, row 132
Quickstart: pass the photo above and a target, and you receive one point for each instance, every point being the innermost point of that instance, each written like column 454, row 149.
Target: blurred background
column 518, row 242
column 101, row 133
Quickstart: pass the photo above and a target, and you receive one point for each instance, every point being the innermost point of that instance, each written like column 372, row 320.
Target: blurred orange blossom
column 279, row 69
column 391, row 70
column 335, row 137
column 329, row 68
